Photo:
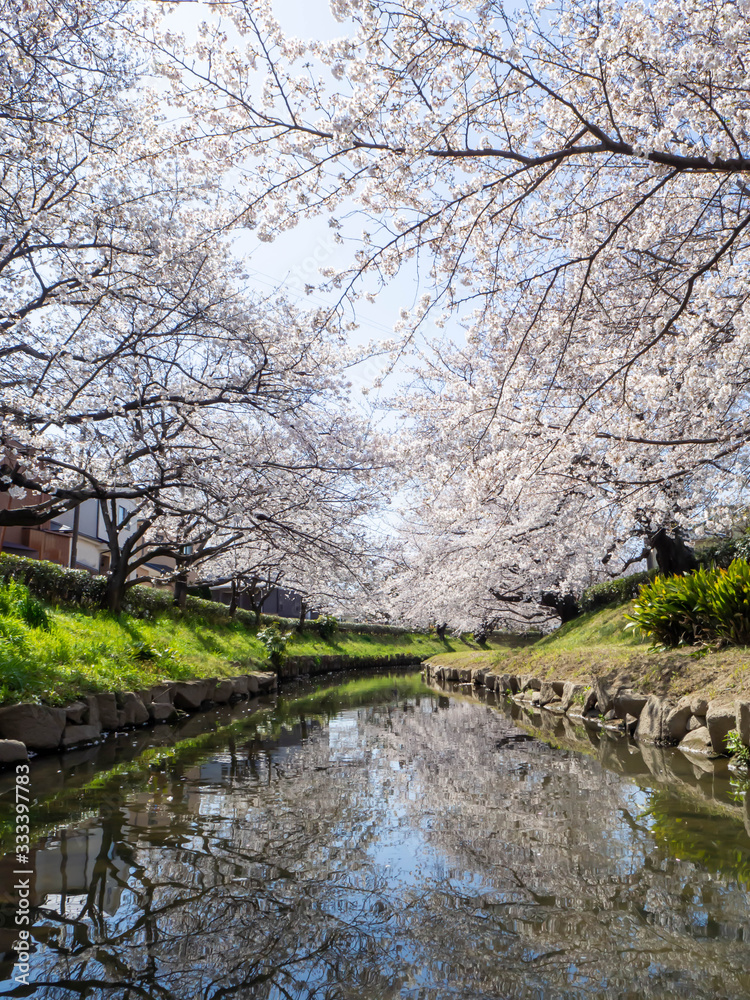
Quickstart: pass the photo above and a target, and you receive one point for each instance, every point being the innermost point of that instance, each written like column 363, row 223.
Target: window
column 122, row 513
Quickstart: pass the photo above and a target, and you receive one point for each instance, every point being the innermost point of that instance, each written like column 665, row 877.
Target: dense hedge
column 77, row 588
column 721, row 551
column 618, row 591
column 706, row 606
column 53, row 583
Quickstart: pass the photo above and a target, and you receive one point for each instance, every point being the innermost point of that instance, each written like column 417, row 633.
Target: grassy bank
column 86, row 651
column 599, row 643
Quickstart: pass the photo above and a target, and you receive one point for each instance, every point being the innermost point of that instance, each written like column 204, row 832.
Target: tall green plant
column 705, row 606
column 275, row 640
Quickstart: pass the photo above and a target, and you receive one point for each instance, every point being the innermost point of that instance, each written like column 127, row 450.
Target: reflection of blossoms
column 339, row 859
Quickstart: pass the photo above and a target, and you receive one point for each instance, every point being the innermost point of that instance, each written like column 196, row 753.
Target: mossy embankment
column 85, row 651
column 598, row 643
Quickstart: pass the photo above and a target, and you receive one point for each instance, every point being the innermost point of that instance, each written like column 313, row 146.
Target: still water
column 422, row 847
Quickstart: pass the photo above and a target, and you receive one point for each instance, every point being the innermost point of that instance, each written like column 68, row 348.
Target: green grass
column 605, row 627
column 84, row 651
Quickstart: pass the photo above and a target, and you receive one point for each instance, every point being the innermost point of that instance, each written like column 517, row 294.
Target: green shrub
column 618, row 591
column 53, row 583
column 722, row 551
column 275, row 641
column 705, row 606
column 737, row 748
column 326, row 625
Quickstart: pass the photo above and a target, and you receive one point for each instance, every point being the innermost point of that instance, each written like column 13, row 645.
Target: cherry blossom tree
column 136, row 366
column 570, row 180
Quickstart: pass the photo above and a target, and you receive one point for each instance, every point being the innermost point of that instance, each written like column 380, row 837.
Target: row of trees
column 135, row 365
column 569, row 182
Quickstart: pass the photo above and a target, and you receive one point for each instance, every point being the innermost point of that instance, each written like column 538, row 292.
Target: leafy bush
column 618, row 591
column 737, row 748
column 722, row 551
column 53, row 583
column 326, row 625
column 275, row 640
column 707, row 605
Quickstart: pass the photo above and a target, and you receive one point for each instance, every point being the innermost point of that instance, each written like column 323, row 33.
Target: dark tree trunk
column 566, row 605
column 302, row 613
column 114, row 592
column 255, row 606
column 673, row 554
column 180, row 589
column 440, row 630
column 233, row 602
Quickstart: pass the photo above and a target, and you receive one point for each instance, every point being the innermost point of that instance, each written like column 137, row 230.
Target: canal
column 386, row 841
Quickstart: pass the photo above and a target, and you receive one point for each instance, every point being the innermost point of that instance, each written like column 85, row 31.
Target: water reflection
column 422, row 849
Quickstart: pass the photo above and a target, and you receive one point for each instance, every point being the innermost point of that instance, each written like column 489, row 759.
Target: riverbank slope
column 598, row 644
column 85, row 652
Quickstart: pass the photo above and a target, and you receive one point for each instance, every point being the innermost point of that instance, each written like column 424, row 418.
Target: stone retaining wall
column 693, row 723
column 42, row 728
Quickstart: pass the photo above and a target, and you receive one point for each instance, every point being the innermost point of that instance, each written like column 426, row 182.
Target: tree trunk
column 302, row 613
column 114, row 592
column 673, row 555
column 180, row 589
column 566, row 605
column 233, row 602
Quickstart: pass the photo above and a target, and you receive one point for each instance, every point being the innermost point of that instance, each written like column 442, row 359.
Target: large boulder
column 589, row 701
column 742, row 710
column 547, row 693
column 571, row 693
column 161, row 711
column 75, row 734
column 697, row 741
column 92, row 716
column 107, row 706
column 719, row 720
column 627, row 702
column 698, row 704
column 132, row 711
column 267, row 681
column 12, row 751
column 678, row 718
column 605, row 694
column 189, row 695
column 76, row 712
column 652, row 723
column 223, row 691
column 39, row 727
column 240, row 687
